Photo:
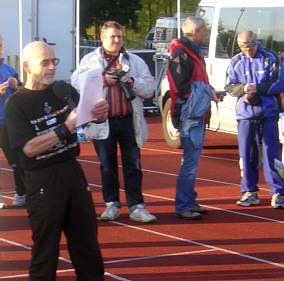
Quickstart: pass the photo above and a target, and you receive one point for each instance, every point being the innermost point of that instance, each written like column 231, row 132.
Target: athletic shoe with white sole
column 111, row 212
column 277, row 202
column 248, row 199
column 19, row 200
column 140, row 214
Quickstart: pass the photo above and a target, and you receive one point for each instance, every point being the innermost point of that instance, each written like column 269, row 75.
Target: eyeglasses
column 247, row 44
column 46, row 62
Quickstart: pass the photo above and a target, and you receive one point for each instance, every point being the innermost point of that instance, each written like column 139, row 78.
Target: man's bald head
column 247, row 39
column 195, row 29
column 191, row 24
column 247, row 42
column 40, row 64
column 36, row 50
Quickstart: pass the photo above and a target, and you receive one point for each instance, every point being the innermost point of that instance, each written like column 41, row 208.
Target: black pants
column 58, row 199
column 11, row 156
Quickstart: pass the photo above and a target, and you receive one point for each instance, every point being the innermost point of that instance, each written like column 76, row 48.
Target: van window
column 267, row 23
column 206, row 13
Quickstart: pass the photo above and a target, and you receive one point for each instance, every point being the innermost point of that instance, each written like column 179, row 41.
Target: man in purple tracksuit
column 256, row 77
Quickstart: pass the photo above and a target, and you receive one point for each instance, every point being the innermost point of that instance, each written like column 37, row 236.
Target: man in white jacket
column 127, row 126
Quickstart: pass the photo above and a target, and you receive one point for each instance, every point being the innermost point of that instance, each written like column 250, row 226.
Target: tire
column 170, row 133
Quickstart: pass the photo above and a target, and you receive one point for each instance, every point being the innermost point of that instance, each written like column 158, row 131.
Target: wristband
column 62, row 132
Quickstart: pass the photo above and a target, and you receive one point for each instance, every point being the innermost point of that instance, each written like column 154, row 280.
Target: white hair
column 192, row 23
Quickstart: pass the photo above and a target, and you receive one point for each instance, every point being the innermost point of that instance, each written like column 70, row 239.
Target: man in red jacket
column 186, row 70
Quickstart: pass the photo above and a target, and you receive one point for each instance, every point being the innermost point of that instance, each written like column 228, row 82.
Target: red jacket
column 198, row 72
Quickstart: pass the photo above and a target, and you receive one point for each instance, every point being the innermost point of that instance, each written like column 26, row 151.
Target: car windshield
column 267, row 23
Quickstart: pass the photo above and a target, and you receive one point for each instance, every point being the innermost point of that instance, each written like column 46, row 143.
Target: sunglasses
column 46, row 62
column 247, row 44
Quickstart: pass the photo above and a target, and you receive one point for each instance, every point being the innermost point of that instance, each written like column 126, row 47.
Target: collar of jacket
column 122, row 51
column 189, row 44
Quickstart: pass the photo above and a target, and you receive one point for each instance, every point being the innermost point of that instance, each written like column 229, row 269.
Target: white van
column 225, row 19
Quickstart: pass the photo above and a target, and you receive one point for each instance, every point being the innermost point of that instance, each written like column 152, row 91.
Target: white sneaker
column 140, row 214
column 249, row 198
column 19, row 201
column 2, row 204
column 277, row 202
column 111, row 212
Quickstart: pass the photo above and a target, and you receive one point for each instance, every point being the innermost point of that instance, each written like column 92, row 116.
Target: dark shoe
column 197, row 208
column 189, row 215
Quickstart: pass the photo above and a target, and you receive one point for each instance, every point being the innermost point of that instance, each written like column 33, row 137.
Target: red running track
column 229, row 243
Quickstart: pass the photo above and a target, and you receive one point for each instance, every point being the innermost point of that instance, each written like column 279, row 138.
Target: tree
column 96, row 12
column 153, row 9
column 136, row 16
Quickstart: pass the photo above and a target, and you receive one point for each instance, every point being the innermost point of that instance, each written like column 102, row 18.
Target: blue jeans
column 122, row 133
column 185, row 193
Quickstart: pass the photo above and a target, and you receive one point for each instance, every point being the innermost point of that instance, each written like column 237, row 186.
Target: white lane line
column 106, row 273
column 63, row 271
column 116, row 277
column 58, row 271
column 174, row 175
column 15, row 244
column 165, row 173
column 160, row 256
column 207, row 206
column 219, row 209
column 6, row 169
column 106, row 262
column 14, row 276
column 199, row 244
column 243, row 214
column 181, row 153
column 162, row 150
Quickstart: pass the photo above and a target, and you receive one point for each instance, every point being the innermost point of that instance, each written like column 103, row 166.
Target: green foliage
column 95, row 12
column 153, row 9
column 136, row 16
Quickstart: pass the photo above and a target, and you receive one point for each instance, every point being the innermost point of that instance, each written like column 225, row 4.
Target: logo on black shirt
column 46, row 108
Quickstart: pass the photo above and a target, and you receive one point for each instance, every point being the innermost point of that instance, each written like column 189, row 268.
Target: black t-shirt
column 32, row 113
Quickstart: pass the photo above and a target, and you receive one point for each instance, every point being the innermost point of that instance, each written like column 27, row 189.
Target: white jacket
column 143, row 85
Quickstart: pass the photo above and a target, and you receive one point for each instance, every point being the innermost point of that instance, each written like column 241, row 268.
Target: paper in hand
column 91, row 87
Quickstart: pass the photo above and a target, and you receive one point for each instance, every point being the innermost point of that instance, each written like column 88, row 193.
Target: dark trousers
column 58, row 199
column 12, row 158
column 122, row 133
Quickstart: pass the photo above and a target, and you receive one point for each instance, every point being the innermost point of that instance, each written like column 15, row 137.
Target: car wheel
column 171, row 134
